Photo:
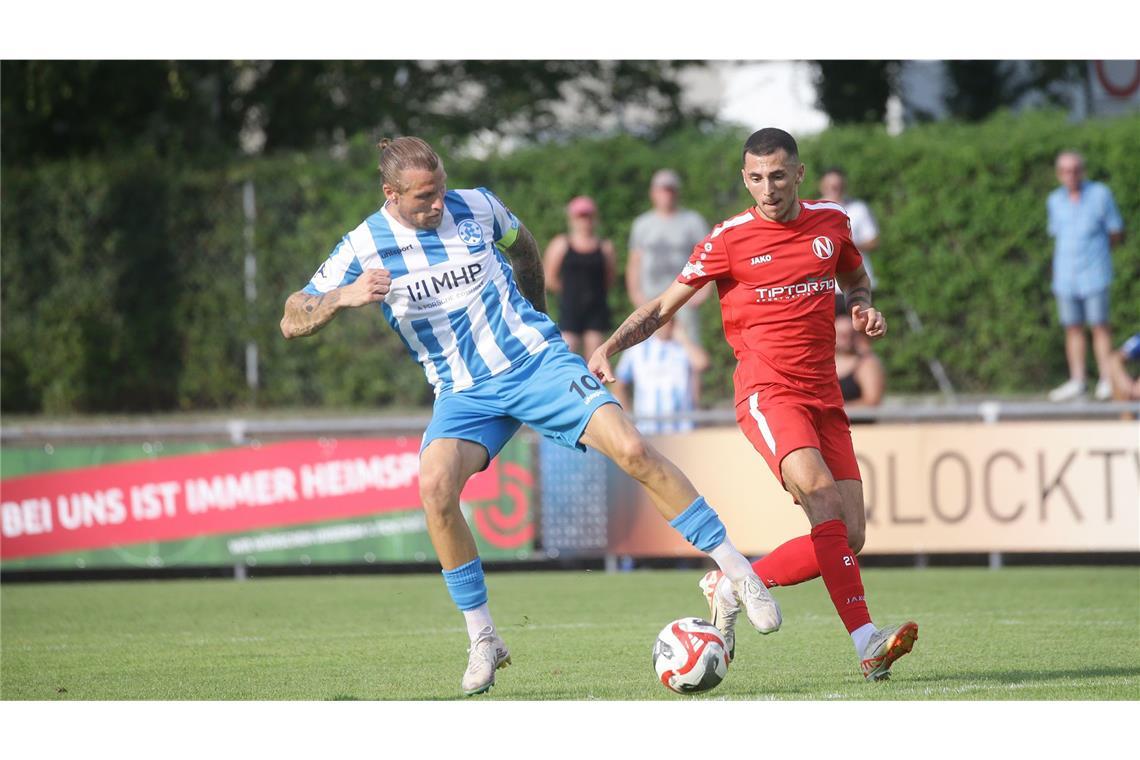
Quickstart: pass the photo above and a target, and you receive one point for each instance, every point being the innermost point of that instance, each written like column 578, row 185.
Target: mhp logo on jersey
column 432, row 286
column 470, row 232
column 823, row 248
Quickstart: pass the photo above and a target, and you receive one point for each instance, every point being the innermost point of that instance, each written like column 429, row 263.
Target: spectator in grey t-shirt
column 660, row 243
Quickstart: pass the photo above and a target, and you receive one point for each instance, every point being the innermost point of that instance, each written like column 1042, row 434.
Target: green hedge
column 123, row 281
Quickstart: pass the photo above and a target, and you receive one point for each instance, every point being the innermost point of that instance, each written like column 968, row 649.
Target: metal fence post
column 249, row 210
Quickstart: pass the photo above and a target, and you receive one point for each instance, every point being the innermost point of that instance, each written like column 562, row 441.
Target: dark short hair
column 765, row 142
column 833, row 170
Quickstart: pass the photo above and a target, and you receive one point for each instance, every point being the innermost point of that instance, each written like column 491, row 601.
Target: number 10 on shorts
column 588, row 382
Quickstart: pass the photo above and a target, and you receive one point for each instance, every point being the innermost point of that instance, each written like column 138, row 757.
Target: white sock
column 478, row 619
column 861, row 636
column 731, row 562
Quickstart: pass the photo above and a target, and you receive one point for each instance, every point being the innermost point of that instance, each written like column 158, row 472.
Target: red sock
column 789, row 563
column 840, row 573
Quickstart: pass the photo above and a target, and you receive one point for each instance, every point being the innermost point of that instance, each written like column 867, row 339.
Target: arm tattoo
column 528, row 268
column 305, row 313
column 858, row 295
column 637, row 327
column 312, row 302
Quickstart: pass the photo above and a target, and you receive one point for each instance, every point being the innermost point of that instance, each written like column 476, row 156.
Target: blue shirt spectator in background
column 1084, row 223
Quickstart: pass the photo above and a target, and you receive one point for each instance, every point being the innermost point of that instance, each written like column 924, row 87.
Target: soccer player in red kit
column 776, row 266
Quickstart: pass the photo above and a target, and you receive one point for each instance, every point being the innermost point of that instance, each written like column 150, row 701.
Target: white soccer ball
column 690, row 655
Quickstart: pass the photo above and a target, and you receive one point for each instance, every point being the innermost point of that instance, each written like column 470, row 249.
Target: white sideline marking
column 509, row 628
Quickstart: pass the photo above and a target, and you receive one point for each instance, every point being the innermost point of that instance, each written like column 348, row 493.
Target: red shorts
column 778, row 426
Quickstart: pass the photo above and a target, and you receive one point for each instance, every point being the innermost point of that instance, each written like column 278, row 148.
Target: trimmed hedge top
column 123, row 284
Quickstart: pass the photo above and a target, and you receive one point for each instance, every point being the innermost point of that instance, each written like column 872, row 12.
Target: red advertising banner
column 218, row 492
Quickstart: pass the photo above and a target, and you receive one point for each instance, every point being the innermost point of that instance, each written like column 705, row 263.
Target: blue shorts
column 553, row 392
column 1083, row 310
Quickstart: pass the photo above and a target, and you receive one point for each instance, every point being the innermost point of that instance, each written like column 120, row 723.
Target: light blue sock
column 466, row 585
column 700, row 525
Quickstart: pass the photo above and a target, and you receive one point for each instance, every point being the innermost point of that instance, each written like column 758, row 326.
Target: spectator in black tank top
column 861, row 375
column 580, row 267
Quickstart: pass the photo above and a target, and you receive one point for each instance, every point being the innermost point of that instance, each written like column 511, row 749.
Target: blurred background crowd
column 156, row 214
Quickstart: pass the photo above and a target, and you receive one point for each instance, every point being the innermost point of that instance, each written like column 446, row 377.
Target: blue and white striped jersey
column 453, row 301
column 662, row 377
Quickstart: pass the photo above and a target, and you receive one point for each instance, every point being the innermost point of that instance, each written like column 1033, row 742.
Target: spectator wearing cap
column 1084, row 224
column 660, row 244
column 580, row 268
column 864, row 230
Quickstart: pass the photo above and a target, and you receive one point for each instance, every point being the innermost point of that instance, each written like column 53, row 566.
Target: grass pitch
column 1018, row 633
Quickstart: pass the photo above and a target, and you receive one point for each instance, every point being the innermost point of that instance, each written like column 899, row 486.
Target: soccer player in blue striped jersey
column 459, row 279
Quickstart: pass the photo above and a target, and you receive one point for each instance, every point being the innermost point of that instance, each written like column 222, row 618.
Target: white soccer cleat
column 759, row 605
column 1070, row 390
column 885, row 646
column 486, row 655
column 725, row 600
column 723, row 608
column 1103, row 390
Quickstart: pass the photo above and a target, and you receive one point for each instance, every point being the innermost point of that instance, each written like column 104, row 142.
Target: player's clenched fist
column 868, row 320
column 599, row 364
column 370, row 287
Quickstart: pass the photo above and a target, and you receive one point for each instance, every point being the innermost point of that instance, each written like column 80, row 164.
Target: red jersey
column 776, row 284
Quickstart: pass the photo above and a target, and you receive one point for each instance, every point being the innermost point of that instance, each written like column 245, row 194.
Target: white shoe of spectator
column 1103, row 390
column 1068, row 391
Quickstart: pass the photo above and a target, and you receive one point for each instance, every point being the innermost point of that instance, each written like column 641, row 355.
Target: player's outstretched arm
column 527, row 266
column 865, row 318
column 306, row 313
column 638, row 326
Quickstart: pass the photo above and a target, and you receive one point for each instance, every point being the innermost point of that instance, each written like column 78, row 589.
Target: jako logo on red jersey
column 823, row 247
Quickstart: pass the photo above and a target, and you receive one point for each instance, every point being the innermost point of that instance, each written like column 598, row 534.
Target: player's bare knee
column 634, row 456
column 856, row 535
column 822, row 504
column 438, row 490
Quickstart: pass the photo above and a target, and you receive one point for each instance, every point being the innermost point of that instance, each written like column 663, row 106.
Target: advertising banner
column 952, row 487
column 325, row 500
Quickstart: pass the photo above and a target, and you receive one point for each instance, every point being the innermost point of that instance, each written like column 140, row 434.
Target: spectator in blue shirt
column 1084, row 223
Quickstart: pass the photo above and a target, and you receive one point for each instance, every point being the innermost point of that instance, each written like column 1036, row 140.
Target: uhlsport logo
column 470, row 232
column 384, row 253
column 822, row 247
